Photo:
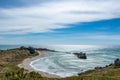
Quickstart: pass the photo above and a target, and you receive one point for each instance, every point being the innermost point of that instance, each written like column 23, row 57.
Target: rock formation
column 81, row 55
column 117, row 63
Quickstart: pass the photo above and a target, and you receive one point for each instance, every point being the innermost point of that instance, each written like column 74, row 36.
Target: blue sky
column 59, row 22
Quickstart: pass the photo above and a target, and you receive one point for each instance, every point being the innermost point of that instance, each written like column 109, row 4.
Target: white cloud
column 48, row 16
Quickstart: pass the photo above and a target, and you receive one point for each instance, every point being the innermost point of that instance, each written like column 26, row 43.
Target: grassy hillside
column 9, row 71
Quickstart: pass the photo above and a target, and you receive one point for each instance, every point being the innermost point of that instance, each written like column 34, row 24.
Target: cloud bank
column 48, row 16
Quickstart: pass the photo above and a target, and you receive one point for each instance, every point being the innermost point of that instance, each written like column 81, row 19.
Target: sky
column 60, row 22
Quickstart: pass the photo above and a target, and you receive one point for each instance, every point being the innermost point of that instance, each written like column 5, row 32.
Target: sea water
column 67, row 64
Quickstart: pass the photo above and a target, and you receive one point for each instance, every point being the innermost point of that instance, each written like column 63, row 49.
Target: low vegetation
column 9, row 59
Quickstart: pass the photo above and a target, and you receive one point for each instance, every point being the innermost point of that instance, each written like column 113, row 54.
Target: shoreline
column 26, row 65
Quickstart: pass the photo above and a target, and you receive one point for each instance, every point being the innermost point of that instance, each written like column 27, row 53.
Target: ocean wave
column 65, row 65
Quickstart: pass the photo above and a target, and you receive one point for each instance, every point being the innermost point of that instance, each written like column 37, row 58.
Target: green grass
column 9, row 71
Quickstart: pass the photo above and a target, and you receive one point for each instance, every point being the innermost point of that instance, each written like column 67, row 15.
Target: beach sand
column 26, row 65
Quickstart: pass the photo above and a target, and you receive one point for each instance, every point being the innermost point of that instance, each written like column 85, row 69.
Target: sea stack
column 81, row 55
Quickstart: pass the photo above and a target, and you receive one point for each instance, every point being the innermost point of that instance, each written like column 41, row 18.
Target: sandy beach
column 26, row 65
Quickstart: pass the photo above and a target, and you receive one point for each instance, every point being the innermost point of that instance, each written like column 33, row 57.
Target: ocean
column 67, row 64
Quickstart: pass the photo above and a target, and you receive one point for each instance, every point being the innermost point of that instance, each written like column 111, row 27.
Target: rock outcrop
column 81, row 55
column 117, row 63
column 31, row 50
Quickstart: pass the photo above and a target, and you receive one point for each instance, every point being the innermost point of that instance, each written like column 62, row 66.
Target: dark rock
column 32, row 50
column 110, row 65
column 117, row 63
column 98, row 67
column 79, row 74
column 81, row 55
